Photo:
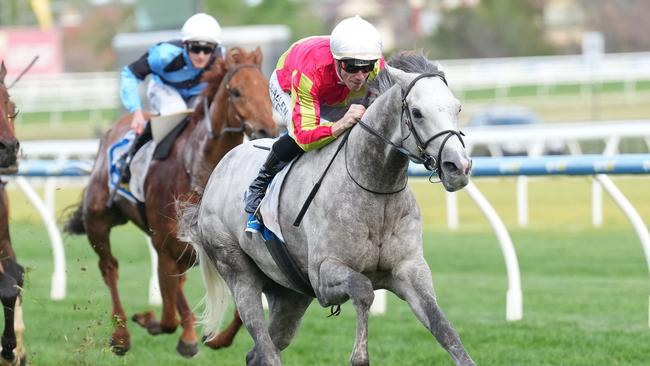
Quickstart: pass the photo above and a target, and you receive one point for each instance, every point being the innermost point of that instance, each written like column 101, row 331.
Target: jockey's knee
column 286, row 148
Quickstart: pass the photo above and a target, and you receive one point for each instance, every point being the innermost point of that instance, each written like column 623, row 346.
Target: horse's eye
column 234, row 93
column 416, row 113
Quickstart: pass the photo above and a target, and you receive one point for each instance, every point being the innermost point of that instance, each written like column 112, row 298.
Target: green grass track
column 585, row 289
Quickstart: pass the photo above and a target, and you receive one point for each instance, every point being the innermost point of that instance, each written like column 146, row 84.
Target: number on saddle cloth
column 116, row 157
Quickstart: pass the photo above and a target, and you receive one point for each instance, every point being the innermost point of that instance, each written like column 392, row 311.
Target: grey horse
column 362, row 232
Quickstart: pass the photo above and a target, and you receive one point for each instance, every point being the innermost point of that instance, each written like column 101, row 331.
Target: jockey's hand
column 138, row 122
column 350, row 118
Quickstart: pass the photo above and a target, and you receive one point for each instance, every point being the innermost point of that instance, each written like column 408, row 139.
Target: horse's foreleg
column 19, row 328
column 286, row 309
column 226, row 337
column 412, row 282
column 339, row 283
column 98, row 232
column 8, row 335
column 188, row 343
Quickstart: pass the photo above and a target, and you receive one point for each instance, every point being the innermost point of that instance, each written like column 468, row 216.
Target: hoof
column 7, row 361
column 157, row 329
column 215, row 343
column 187, row 349
column 118, row 349
column 144, row 319
column 154, row 329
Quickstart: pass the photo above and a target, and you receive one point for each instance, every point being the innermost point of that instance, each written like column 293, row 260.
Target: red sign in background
column 18, row 46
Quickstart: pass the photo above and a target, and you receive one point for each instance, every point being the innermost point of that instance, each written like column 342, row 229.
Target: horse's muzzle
column 8, row 152
column 455, row 173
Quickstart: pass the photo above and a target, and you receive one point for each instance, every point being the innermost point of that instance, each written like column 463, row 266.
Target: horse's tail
column 75, row 223
column 217, row 294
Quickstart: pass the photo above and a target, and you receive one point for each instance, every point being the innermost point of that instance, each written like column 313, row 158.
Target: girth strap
column 287, row 264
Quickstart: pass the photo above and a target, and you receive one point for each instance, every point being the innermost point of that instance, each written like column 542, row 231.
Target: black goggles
column 197, row 48
column 353, row 66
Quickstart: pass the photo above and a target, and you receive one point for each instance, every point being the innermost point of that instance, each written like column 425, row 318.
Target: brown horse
column 237, row 92
column 11, row 273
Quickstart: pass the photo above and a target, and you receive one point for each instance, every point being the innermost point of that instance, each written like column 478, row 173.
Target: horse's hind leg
column 412, row 282
column 168, row 280
column 339, row 283
column 286, row 309
column 245, row 280
column 98, row 230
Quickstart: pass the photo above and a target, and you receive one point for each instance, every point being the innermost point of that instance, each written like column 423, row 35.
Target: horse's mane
column 409, row 61
column 214, row 76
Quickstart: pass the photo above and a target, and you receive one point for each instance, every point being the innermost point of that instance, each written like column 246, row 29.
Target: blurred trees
column 494, row 28
column 88, row 45
column 297, row 15
column 623, row 23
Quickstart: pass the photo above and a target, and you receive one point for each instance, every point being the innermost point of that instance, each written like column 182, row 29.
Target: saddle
column 159, row 149
column 166, row 129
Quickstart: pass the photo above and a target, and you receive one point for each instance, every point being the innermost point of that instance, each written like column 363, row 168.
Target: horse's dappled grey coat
column 351, row 240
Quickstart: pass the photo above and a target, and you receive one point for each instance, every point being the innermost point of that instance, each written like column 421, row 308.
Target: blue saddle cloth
column 116, row 159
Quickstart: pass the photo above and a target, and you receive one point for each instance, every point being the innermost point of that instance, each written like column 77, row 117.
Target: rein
column 24, row 71
column 430, row 163
column 207, row 110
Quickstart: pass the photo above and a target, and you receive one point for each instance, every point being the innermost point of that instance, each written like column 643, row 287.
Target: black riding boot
column 138, row 142
column 257, row 189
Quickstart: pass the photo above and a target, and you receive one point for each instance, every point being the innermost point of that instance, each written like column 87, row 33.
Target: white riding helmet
column 201, row 27
column 355, row 38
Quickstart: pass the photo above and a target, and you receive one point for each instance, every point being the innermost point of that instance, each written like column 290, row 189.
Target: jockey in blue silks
column 176, row 68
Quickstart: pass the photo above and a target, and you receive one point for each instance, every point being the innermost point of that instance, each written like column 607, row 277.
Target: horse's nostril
column 449, row 167
column 9, row 145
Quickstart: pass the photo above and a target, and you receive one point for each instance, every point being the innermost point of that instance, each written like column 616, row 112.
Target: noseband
column 430, row 163
column 207, row 110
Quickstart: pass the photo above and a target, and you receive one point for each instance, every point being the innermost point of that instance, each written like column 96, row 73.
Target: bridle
column 207, row 110
column 11, row 117
column 431, row 163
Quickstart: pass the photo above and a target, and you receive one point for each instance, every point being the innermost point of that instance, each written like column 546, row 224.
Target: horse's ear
column 402, row 77
column 230, row 56
column 3, row 72
column 258, row 57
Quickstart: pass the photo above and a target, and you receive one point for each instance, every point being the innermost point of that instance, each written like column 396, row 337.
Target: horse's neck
column 202, row 152
column 374, row 164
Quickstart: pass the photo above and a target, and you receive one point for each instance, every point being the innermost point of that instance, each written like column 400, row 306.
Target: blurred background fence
column 47, row 97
